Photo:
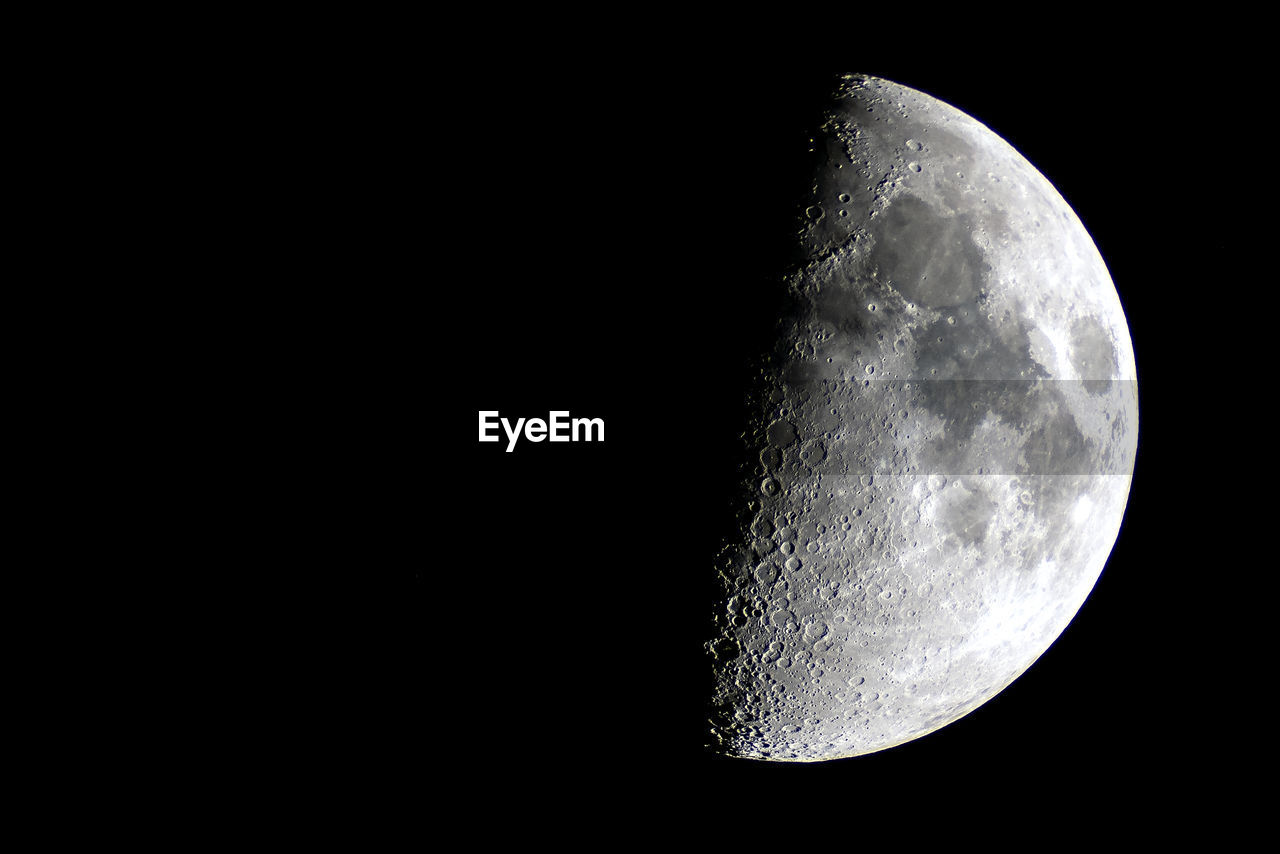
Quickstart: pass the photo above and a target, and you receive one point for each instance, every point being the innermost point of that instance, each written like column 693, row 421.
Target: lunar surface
column 942, row 443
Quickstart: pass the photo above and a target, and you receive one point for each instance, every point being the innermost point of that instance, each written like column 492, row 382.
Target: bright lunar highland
column 942, row 444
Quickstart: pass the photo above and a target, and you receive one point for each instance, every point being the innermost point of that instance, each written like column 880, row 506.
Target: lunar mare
column 942, row 444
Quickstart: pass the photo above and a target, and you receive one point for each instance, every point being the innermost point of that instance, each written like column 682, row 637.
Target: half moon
column 942, row 445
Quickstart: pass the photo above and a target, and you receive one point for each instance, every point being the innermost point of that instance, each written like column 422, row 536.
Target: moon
column 942, row 442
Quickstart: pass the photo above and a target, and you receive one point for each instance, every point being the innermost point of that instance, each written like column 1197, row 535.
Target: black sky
column 614, row 233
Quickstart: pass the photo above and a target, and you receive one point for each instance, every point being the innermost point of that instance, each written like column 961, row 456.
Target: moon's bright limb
column 945, row 437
